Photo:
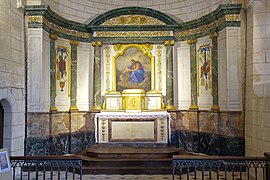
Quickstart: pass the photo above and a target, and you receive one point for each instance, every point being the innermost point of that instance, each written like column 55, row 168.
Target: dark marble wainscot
column 211, row 144
column 208, row 132
column 64, row 133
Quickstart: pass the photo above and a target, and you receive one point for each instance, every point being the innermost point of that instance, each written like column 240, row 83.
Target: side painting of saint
column 133, row 70
column 204, row 60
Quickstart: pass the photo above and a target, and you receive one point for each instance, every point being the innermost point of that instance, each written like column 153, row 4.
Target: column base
column 53, row 108
column 170, row 107
column 96, row 108
column 73, row 108
column 215, row 107
column 194, row 107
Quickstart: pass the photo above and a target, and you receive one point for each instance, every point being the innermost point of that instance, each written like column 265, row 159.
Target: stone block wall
column 84, row 10
column 12, row 76
column 257, row 113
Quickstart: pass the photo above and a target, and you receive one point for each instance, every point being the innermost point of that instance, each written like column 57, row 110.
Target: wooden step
column 131, row 152
column 128, row 160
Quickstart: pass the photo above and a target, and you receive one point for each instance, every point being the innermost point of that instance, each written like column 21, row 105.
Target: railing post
column 267, row 169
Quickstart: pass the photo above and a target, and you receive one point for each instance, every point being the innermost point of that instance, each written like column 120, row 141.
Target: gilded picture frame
column 133, row 68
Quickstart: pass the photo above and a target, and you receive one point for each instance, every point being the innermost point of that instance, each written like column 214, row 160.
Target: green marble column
column 193, row 74
column 169, row 75
column 214, row 36
column 97, row 76
column 73, row 79
column 53, row 37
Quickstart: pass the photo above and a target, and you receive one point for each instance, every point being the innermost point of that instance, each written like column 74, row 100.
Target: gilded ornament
column 53, row 36
column 207, row 27
column 132, row 33
column 74, row 43
column 159, row 71
column 108, row 50
column 35, row 19
column 213, row 35
column 132, row 20
column 117, row 47
column 191, row 41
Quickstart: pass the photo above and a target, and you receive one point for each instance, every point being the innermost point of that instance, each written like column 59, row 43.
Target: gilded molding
column 132, row 20
column 215, row 24
column 147, row 46
column 53, row 36
column 35, row 19
column 159, row 69
column 191, row 41
column 108, row 65
column 74, row 43
column 213, row 35
column 62, row 30
column 132, row 33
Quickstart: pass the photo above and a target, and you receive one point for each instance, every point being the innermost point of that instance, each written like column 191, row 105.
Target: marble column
column 193, row 74
column 97, row 76
column 53, row 37
column 169, row 75
column 73, row 79
column 214, row 37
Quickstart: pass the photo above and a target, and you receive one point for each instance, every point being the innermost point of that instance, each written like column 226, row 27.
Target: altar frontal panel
column 133, row 130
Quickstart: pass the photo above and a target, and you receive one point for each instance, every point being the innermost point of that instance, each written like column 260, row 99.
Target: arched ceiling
column 84, row 11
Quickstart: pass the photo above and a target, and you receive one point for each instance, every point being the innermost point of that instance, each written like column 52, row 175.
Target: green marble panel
column 193, row 75
column 73, row 83
column 97, row 78
column 215, row 71
column 169, row 78
column 52, row 73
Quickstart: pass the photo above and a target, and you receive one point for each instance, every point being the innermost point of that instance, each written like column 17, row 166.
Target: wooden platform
column 128, row 160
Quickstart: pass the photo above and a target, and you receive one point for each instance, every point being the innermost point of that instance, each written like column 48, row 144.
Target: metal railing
column 44, row 167
column 186, row 167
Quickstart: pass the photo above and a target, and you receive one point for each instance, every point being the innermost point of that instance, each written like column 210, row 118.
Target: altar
column 144, row 127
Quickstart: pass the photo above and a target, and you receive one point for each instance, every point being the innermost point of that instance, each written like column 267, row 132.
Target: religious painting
column 4, row 161
column 204, row 61
column 133, row 69
column 62, row 64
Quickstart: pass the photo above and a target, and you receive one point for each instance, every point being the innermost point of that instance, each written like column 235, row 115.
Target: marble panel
column 208, row 143
column 38, row 125
column 81, row 140
column 60, row 123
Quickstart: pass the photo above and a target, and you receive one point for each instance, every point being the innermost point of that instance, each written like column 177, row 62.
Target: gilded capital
column 191, row 41
column 94, row 43
column 53, row 36
column 169, row 43
column 74, row 42
column 213, row 35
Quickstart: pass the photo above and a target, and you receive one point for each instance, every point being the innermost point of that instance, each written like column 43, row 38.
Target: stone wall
column 12, row 75
column 257, row 113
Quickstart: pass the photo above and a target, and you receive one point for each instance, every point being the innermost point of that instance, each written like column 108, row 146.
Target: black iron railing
column 220, row 167
column 44, row 167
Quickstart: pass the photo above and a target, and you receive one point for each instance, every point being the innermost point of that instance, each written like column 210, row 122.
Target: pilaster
column 169, row 75
column 193, row 74
column 97, row 76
